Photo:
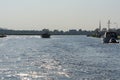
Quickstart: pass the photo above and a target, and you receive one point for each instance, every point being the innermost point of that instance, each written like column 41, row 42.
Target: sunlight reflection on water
column 58, row 58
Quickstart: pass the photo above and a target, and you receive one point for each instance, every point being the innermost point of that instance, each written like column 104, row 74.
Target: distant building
column 104, row 29
column 113, row 29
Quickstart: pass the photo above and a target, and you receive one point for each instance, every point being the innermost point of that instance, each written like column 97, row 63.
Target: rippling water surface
column 58, row 58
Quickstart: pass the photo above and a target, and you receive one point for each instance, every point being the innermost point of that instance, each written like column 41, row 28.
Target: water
column 58, row 58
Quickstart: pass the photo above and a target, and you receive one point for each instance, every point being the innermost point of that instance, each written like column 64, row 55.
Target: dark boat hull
column 45, row 35
column 110, row 40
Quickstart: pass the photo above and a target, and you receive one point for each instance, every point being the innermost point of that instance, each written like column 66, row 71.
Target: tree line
column 54, row 32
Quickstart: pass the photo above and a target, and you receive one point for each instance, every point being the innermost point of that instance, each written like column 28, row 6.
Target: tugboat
column 45, row 35
column 110, row 37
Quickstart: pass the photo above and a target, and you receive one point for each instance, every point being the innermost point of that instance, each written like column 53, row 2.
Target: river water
column 58, row 58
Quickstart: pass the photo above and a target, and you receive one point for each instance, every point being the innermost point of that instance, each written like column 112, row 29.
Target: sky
column 58, row 14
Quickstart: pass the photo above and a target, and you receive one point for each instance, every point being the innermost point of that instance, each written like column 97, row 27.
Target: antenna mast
column 99, row 25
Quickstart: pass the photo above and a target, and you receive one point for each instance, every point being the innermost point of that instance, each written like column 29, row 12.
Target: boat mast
column 109, row 25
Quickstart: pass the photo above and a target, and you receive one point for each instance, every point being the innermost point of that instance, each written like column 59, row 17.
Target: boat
column 110, row 37
column 2, row 35
column 45, row 35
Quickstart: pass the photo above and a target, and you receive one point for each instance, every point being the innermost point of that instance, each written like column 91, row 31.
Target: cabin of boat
column 110, row 37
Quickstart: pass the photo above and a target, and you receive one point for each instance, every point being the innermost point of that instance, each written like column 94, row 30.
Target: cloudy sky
column 58, row 14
